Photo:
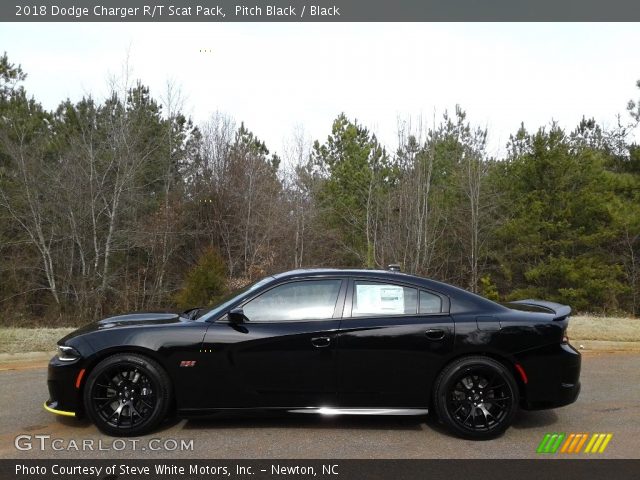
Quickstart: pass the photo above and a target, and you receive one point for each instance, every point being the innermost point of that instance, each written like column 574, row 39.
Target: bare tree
column 30, row 203
column 297, row 156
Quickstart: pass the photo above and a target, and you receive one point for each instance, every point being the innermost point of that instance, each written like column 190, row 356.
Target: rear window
column 430, row 303
column 381, row 299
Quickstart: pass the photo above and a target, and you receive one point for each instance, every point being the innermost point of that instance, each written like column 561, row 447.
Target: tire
column 127, row 394
column 476, row 397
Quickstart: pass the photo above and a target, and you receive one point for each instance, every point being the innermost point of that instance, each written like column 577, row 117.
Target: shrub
column 488, row 288
column 205, row 283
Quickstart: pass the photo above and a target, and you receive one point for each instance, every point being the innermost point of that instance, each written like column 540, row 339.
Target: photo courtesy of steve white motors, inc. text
column 202, row 12
column 170, row 470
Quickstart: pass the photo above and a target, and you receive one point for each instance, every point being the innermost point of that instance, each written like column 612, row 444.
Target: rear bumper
column 553, row 377
column 566, row 395
column 64, row 396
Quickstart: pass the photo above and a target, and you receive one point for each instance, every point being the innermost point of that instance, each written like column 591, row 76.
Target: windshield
column 232, row 298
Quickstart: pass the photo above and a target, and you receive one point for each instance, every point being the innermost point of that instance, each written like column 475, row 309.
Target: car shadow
column 534, row 419
column 523, row 420
column 74, row 422
column 84, row 423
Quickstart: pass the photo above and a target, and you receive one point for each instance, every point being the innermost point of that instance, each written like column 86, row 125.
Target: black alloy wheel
column 127, row 395
column 476, row 397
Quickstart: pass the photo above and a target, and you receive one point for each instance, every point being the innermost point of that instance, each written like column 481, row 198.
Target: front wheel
column 127, row 395
column 476, row 397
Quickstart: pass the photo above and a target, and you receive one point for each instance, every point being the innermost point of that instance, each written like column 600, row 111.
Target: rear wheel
column 476, row 397
column 127, row 394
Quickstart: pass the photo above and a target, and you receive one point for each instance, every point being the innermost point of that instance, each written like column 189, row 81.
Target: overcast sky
column 275, row 76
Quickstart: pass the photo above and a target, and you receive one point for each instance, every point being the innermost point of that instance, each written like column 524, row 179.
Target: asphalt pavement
column 609, row 403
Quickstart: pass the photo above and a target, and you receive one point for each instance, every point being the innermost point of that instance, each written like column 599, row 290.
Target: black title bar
column 318, row 10
column 273, row 469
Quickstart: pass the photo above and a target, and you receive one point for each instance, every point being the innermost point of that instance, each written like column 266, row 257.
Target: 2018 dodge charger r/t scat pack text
column 323, row 341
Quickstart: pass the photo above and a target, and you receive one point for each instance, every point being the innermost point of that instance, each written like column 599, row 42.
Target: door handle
column 435, row 334
column 320, row 342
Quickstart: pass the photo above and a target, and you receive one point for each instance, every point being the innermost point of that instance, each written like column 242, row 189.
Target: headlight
column 67, row 354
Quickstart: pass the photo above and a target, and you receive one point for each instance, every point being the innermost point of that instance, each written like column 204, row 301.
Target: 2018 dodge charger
column 323, row 341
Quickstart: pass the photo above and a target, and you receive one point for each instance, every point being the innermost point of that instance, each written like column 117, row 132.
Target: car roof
column 303, row 272
column 456, row 294
column 370, row 273
column 345, row 271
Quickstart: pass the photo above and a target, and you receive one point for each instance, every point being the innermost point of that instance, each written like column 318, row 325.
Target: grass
column 17, row 340
column 613, row 329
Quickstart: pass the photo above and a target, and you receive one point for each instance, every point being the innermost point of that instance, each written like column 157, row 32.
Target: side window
column 430, row 303
column 375, row 298
column 305, row 300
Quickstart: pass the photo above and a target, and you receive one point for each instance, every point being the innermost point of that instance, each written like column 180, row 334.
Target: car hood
column 144, row 319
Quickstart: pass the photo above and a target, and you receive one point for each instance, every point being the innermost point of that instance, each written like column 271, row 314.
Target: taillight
column 522, row 373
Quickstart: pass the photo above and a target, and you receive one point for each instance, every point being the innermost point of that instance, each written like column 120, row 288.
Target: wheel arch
column 505, row 360
column 98, row 357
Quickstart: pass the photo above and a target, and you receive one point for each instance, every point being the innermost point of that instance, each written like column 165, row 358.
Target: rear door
column 283, row 355
column 393, row 340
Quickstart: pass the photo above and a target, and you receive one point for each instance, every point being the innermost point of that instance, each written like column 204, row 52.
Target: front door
column 283, row 354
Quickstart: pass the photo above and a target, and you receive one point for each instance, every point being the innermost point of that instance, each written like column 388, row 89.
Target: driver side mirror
column 237, row 315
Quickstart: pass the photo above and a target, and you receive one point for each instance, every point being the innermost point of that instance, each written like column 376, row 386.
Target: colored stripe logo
column 574, row 443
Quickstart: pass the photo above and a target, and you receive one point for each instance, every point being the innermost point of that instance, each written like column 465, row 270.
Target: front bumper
column 52, row 406
column 64, row 382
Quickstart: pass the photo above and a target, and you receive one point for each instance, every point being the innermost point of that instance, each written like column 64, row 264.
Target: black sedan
column 323, row 341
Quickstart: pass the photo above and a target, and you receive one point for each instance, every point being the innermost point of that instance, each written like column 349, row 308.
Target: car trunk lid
column 559, row 311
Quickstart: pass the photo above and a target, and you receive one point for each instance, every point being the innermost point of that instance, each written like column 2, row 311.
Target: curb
column 13, row 361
